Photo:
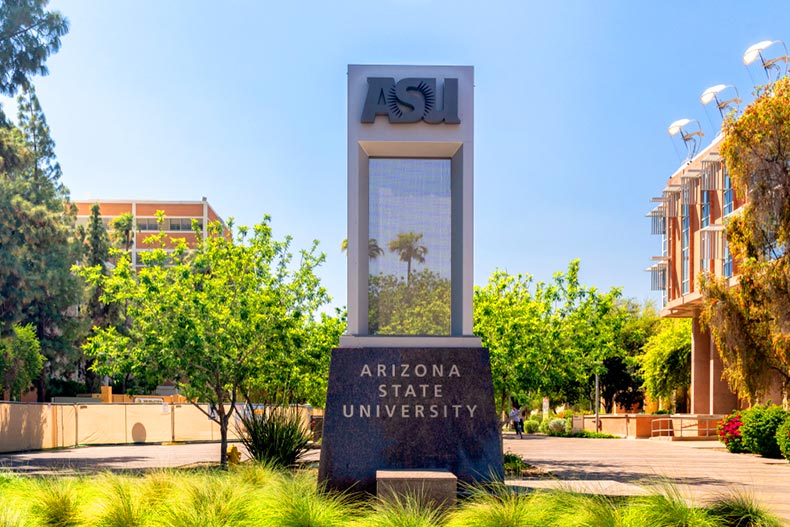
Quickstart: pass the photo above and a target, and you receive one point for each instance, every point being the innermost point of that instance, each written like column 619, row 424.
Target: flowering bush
column 783, row 438
column 729, row 430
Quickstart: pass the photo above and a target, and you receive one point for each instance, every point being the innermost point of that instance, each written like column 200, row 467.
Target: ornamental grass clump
column 118, row 503
column 403, row 511
column 760, row 424
column 54, row 502
column 210, row 500
column 729, row 431
column 501, row 508
column 739, row 509
column 667, row 507
column 297, row 502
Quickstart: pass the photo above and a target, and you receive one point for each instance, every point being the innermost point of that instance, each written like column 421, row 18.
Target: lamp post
column 597, row 400
column 597, row 365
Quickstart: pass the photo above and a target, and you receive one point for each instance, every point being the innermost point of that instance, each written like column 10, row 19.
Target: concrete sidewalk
column 699, row 469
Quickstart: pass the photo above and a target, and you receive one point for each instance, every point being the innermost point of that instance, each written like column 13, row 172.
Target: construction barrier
column 33, row 426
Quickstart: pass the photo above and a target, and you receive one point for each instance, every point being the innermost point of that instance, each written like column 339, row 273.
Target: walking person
column 518, row 422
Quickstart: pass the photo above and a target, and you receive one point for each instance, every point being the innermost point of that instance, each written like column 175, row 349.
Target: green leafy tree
column 221, row 320
column 621, row 382
column 420, row 306
column 750, row 322
column 666, row 363
column 20, row 361
column 544, row 338
column 96, row 252
column 408, row 247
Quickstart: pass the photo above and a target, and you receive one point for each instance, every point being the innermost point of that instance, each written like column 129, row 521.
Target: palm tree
column 122, row 233
column 374, row 251
column 407, row 246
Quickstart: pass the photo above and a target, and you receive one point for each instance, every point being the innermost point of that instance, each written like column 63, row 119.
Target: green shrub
column 783, row 438
column 513, row 464
column 543, row 428
column 589, row 434
column 760, row 424
column 531, row 426
column 557, row 426
column 729, row 430
column 278, row 439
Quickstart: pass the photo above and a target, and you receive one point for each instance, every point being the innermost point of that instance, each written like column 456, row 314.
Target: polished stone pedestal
column 409, row 408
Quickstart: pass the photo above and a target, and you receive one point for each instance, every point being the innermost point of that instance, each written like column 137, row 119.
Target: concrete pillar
column 700, row 369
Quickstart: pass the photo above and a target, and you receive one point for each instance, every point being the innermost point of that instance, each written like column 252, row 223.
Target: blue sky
column 244, row 102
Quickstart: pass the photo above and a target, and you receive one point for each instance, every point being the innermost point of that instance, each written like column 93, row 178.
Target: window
column 705, row 209
column 729, row 194
column 147, row 224
column 726, row 260
column 409, row 246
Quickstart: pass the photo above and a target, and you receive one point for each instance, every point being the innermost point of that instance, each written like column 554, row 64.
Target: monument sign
column 410, row 385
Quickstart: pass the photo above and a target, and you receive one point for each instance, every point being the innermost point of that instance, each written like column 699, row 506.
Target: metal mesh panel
column 409, row 248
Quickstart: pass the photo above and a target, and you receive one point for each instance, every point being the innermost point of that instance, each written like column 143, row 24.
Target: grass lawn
column 254, row 495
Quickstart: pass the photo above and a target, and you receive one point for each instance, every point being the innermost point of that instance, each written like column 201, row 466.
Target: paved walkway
column 699, row 469
column 614, row 466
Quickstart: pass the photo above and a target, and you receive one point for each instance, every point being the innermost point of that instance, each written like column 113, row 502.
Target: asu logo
column 410, row 100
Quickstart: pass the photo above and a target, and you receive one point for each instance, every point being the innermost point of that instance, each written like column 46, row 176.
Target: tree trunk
column 223, row 430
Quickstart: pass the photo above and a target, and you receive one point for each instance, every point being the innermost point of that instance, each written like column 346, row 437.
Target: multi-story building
column 690, row 216
column 178, row 218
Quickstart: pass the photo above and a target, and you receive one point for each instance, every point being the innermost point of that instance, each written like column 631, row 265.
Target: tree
column 666, row 364
column 221, row 320
column 122, row 231
column 420, row 306
column 622, row 381
column 407, row 245
column 750, row 322
column 45, row 221
column 28, row 36
column 544, row 338
column 374, row 251
column 96, row 252
column 20, row 361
